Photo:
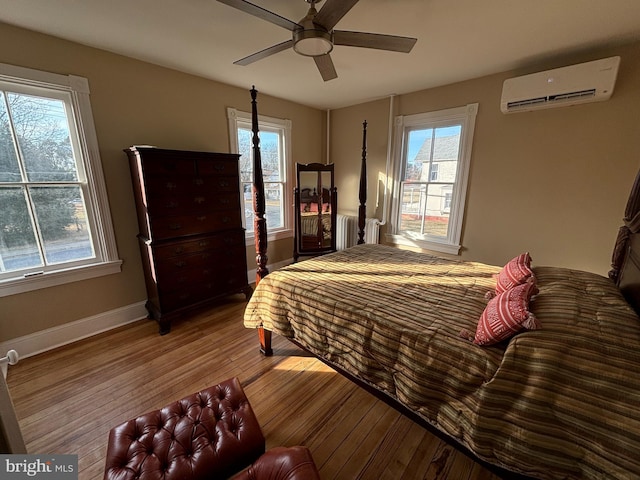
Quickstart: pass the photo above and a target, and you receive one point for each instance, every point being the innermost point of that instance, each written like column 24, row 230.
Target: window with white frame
column 434, row 151
column 275, row 142
column 55, row 225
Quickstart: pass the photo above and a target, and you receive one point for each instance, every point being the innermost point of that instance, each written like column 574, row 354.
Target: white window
column 433, row 153
column 434, row 172
column 275, row 148
column 55, row 225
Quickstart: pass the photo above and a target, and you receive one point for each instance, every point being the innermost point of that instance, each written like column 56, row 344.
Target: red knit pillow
column 515, row 272
column 507, row 314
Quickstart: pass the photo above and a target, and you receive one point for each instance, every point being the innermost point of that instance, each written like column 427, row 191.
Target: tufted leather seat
column 211, row 434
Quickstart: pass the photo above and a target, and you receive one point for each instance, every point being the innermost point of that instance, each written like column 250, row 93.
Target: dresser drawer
column 194, row 224
column 157, row 162
column 214, row 286
column 176, row 186
column 185, row 276
column 218, row 167
column 223, row 241
column 169, row 166
column 195, row 202
column 196, row 265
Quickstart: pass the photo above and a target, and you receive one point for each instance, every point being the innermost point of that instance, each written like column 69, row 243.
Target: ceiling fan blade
column 326, row 68
column 264, row 53
column 374, row 40
column 332, row 12
column 260, row 12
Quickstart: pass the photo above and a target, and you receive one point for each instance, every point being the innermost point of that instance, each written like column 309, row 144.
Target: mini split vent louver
column 581, row 83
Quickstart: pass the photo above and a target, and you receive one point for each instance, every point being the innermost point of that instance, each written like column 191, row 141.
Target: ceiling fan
column 313, row 36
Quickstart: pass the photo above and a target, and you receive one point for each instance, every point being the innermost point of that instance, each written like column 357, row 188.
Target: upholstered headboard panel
column 629, row 275
column 625, row 262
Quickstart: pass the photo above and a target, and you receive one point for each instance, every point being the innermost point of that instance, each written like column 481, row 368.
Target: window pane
column 270, row 154
column 9, row 170
column 412, row 196
column 244, row 149
column 273, row 195
column 445, row 152
column 425, row 213
column 247, row 196
column 42, row 131
column 63, row 223
column 273, row 211
column 18, row 246
column 436, row 219
column 418, row 154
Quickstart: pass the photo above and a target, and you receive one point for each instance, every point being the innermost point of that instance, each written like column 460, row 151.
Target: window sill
column 13, row 286
column 442, row 247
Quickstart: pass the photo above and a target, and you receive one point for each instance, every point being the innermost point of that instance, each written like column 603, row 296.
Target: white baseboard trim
column 58, row 336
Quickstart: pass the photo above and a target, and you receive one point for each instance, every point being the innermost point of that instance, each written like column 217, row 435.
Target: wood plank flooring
column 68, row 399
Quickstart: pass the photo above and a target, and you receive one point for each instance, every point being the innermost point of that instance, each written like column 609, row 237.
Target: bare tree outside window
column 42, row 211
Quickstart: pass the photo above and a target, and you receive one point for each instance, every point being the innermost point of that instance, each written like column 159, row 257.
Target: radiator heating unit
column 347, row 231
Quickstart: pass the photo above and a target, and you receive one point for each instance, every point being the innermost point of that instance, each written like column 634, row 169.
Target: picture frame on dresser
column 190, row 232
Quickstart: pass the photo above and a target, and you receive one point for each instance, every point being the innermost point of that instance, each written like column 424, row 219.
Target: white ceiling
column 457, row 39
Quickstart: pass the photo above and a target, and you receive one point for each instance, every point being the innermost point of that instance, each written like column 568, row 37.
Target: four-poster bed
column 559, row 401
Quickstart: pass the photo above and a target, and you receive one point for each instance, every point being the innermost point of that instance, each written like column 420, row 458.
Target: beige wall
column 137, row 103
column 553, row 182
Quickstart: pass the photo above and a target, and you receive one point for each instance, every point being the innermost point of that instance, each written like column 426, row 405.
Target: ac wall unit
column 581, row 83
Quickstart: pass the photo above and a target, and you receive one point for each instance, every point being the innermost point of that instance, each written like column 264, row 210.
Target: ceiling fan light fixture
column 312, row 43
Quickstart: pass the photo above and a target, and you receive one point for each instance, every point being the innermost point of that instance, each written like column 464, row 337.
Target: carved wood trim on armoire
column 191, row 237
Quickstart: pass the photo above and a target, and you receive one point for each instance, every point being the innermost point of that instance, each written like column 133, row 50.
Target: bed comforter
column 559, row 402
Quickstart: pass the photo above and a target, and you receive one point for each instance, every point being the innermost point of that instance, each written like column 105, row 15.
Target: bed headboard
column 625, row 262
column 629, row 276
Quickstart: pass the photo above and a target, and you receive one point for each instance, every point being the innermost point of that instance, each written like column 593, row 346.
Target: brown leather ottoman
column 212, row 434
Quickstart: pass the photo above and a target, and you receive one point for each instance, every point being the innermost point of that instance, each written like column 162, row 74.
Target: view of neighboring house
column 429, row 178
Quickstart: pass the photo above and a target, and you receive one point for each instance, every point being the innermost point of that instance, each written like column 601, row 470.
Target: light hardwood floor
column 68, row 399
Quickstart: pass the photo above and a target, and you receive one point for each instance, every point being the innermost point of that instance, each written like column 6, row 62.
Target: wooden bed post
column 259, row 220
column 362, row 210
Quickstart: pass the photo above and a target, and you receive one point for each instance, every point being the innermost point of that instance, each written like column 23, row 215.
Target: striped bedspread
column 559, row 402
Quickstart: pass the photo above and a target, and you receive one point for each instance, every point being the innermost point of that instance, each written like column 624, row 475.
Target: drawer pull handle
column 181, row 264
column 198, row 200
column 223, row 183
column 203, row 243
column 226, row 219
column 219, row 166
column 175, row 226
column 171, row 186
column 201, row 218
column 198, row 181
column 178, row 250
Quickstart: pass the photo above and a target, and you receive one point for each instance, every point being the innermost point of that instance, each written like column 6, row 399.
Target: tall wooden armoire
column 190, row 229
